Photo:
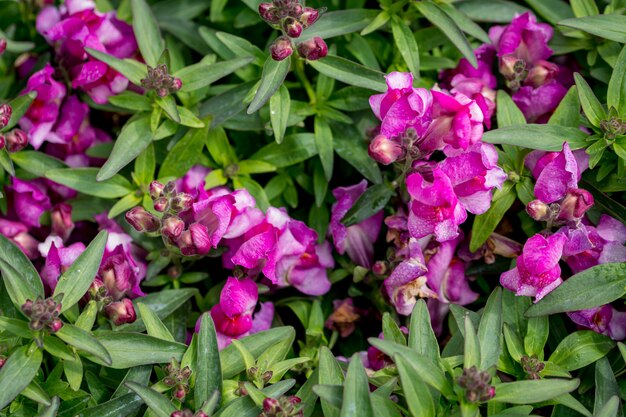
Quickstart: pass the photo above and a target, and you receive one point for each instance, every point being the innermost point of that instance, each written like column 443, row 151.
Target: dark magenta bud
column 309, row 16
column 162, row 204
column 177, row 84
column 55, row 326
column 268, row 12
column 181, row 202
column 173, row 226
column 576, row 202
column 156, row 189
column 3, row 46
column 121, row 312
column 16, row 140
column 292, row 27
column 313, row 49
column 384, row 150
column 281, row 48
column 61, row 219
column 142, row 220
column 5, row 115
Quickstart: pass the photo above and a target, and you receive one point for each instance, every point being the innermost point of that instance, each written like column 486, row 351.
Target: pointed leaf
column 490, row 330
column 147, row 33
column 356, row 398
column 20, row 277
column 209, row 372
column 351, row 73
column 534, row 391
column 84, row 341
column 279, row 112
column 422, row 337
column 84, row 181
column 590, row 103
column 416, row 392
column 154, row 325
column 17, row 372
column 274, row 73
column 616, row 93
column 159, row 404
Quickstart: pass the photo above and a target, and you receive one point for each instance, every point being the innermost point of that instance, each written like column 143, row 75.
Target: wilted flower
column 344, row 317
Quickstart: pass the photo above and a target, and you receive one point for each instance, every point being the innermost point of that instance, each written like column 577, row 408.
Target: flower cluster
column 43, row 314
column 292, row 19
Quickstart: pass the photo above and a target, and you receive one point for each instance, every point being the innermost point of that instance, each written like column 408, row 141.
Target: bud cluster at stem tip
column 43, row 313
column 292, row 19
column 477, row 385
column 159, row 80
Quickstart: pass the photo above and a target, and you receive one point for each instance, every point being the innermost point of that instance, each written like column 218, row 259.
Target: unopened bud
column 142, row 220
column 292, row 27
column 281, row 48
column 270, row 405
column 179, row 392
column 177, row 84
column 170, row 187
column 538, row 210
column 173, row 226
column 268, row 12
column 181, row 202
column 313, row 49
column 380, row 268
column 162, row 204
column 576, row 202
column 541, row 73
column 55, row 325
column 3, row 45
column 267, row 376
column 121, row 312
column 309, row 16
column 512, row 67
column 385, row 150
column 5, row 115
column 61, row 219
column 156, row 189
column 2, row 141
column 16, row 140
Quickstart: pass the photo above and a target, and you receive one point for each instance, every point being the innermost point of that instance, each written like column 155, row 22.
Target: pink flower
column 357, row 240
column 58, row 260
column 29, row 200
column 402, row 106
column 537, row 272
column 457, row 123
column 44, row 110
column 193, row 180
column 385, row 150
column 473, row 175
column 17, row 232
column 605, row 320
column 434, row 206
column 538, row 103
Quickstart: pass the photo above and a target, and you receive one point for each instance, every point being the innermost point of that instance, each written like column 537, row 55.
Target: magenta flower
column 402, row 106
column 434, row 207
column 58, row 260
column 193, row 180
column 605, row 320
column 556, row 172
column 29, row 200
column 473, row 175
column 457, row 123
column 17, row 232
column 357, row 240
column 408, row 280
column 44, row 111
column 538, row 103
column 537, row 271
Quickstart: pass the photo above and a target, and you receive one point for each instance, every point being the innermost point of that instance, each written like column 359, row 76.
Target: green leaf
column 583, row 8
column 581, row 349
column 15, row 326
column 607, row 26
column 591, row 105
column 339, row 22
column 145, row 164
column 507, row 113
column 36, row 163
column 132, row 349
column 241, row 47
column 219, row 147
column 158, row 403
column 84, row 341
column 209, row 370
column 536, row 136
column 20, row 277
column 185, row 153
column 75, row 282
column 568, row 111
column 352, row 149
column 162, row 303
column 616, row 92
column 17, row 372
column 590, row 288
column 351, row 73
column 202, row 74
column 439, row 18
column 6, row 163
column 245, row 407
column 19, row 107
column 471, row 356
column 536, row 336
column 129, row 68
column 51, row 410
column 135, row 136
column 371, row 202
column 168, row 105
column 490, row 330
column 131, row 101
column 535, row 391
column 84, row 180
column 406, row 44
column 280, row 103
column 147, row 32
column 294, row 149
column 331, row 394
column 466, row 24
column 356, row 398
column 422, row 337
column 495, row 11
column 274, row 73
column 87, row 318
column 254, row 167
column 320, row 184
column 485, row 224
column 324, row 144
column 610, row 409
column 73, row 370
column 330, row 373
column 416, row 392
column 154, row 325
column 606, row 386
column 391, row 331
column 116, row 407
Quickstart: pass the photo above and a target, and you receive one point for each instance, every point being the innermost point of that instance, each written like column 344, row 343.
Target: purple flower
column 29, row 200
column 538, row 103
column 17, row 232
column 408, row 280
column 434, row 207
column 58, row 260
column 473, row 176
column 357, row 240
column 44, row 110
column 537, row 271
column 402, row 106
column 556, row 172
column 605, row 320
column 193, row 180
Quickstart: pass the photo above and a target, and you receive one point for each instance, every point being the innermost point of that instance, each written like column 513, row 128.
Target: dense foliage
column 343, row 208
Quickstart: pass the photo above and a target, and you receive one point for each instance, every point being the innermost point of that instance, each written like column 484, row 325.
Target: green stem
column 301, row 75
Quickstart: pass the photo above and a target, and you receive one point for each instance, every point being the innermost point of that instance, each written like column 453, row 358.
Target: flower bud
column 268, row 12
column 281, row 48
column 142, row 220
column 313, row 49
column 538, row 210
column 270, row 405
column 2, row 141
column 380, row 268
column 200, row 413
column 156, row 189
column 385, row 150
column 170, row 188
column 3, row 360
column 173, row 226
column 3, row 45
column 309, row 16
column 541, row 73
column 5, row 115
column 512, row 67
column 121, row 312
column 16, row 140
column 162, row 204
column 181, row 202
column 292, row 27
column 55, row 326
column 179, row 392
column 61, row 219
column 575, row 204
column 177, row 84
column 195, row 240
